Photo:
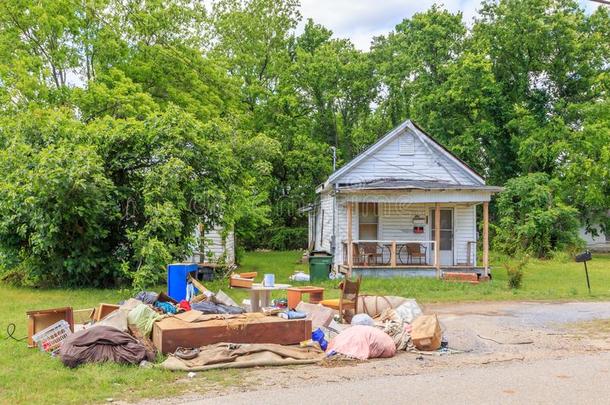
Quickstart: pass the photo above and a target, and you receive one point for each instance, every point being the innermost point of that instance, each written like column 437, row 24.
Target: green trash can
column 319, row 266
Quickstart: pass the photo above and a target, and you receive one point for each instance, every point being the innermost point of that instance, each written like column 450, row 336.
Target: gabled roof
column 425, row 137
column 408, row 184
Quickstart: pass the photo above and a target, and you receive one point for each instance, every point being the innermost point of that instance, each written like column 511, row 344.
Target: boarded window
column 407, row 145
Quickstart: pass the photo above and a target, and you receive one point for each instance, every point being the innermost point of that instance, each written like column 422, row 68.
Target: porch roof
column 408, row 184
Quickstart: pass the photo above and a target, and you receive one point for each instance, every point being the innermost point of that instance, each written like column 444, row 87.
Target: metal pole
column 334, row 157
column 587, row 274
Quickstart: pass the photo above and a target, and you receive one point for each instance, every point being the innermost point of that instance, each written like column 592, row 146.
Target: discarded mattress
column 232, row 355
column 102, row 344
column 363, row 342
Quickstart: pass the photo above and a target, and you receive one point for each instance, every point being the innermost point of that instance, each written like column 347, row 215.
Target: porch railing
column 390, row 253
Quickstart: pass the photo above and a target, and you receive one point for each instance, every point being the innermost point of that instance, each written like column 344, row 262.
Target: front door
column 446, row 244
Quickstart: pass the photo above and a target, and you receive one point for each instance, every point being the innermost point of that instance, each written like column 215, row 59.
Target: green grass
column 559, row 279
column 26, row 375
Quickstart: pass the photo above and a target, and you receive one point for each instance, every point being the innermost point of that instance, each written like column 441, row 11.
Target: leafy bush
column 533, row 220
column 515, row 272
column 111, row 201
column 283, row 238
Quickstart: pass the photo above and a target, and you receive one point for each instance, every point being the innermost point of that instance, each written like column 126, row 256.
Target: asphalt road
column 584, row 379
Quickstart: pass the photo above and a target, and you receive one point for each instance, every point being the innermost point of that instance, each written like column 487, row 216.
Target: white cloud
column 361, row 20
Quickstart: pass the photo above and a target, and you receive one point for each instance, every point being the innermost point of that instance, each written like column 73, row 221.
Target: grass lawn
column 27, row 375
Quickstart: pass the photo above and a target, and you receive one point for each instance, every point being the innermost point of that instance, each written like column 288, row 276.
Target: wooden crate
column 104, row 310
column 40, row 319
column 170, row 333
column 240, row 282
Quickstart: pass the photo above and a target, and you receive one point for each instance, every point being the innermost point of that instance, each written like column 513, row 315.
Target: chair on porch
column 348, row 300
column 368, row 253
column 416, row 251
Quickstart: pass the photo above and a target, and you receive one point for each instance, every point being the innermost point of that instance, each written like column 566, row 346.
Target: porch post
column 486, row 237
column 437, row 239
column 393, row 254
column 350, row 256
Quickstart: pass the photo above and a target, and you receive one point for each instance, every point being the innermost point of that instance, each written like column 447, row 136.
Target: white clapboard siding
column 216, row 248
column 422, row 196
column 396, row 221
column 464, row 227
column 324, row 231
column 230, row 247
column 342, row 226
column 394, row 160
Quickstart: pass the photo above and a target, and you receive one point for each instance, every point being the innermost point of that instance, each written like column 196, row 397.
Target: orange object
column 471, row 278
column 348, row 301
column 295, row 294
column 240, row 282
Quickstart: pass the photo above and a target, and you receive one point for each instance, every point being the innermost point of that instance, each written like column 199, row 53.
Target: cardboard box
column 104, row 310
column 426, row 332
column 43, row 318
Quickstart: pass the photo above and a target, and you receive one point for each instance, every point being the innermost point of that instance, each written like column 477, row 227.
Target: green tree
column 533, row 219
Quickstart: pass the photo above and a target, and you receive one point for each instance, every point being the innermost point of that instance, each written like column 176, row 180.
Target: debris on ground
column 102, row 344
column 426, row 333
column 363, row 342
column 194, row 326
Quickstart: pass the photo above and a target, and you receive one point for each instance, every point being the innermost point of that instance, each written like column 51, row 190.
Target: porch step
column 472, row 278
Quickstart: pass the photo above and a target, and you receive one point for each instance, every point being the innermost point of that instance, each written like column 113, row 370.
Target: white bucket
column 269, row 280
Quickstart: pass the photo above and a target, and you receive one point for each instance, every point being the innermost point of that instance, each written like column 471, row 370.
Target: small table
column 260, row 296
column 295, row 294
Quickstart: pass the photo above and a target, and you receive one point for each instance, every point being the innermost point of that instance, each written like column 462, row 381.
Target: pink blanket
column 363, row 342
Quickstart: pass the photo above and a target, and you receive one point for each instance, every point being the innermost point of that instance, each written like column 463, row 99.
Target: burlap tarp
column 232, row 355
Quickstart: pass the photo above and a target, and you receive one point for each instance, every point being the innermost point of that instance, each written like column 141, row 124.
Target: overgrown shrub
column 284, row 238
column 111, row 201
column 532, row 220
column 515, row 272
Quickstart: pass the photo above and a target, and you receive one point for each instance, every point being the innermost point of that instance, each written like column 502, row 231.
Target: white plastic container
column 269, row 280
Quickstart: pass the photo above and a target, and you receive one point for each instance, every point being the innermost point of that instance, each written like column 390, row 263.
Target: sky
column 361, row 20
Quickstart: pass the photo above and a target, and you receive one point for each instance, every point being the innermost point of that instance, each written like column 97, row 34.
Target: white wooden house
column 597, row 241
column 405, row 206
column 218, row 247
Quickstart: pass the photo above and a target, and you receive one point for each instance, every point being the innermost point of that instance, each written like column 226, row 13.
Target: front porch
column 411, row 271
column 441, row 238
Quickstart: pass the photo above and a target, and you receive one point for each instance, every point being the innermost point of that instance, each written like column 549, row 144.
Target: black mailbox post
column 584, row 258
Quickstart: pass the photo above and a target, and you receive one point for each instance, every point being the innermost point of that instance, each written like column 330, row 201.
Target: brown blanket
column 232, row 355
column 101, row 344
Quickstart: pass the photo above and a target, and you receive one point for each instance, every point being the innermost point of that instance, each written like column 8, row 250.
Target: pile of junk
column 197, row 330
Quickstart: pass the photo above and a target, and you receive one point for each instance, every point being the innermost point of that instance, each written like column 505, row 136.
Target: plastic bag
column 143, row 317
column 363, row 319
column 409, row 311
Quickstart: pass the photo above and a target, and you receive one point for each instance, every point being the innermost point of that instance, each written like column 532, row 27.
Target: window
column 368, row 221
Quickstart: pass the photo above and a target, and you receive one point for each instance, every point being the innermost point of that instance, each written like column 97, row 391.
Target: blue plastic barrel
column 177, row 276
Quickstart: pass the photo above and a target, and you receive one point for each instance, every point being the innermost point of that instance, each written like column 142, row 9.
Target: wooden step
column 471, row 278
